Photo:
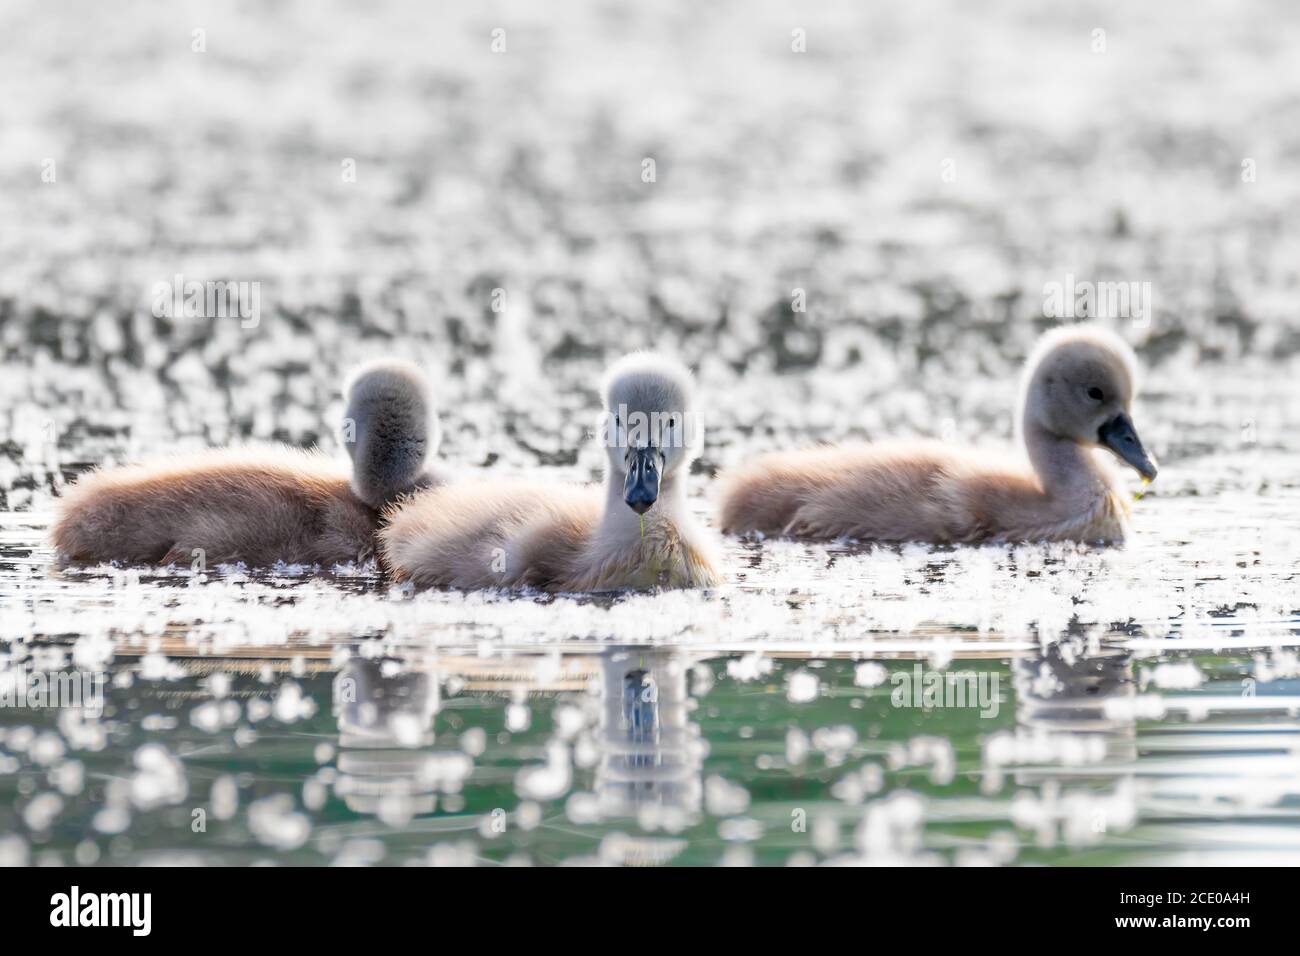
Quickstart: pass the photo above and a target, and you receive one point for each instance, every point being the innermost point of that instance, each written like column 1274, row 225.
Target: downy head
column 1079, row 385
column 389, row 429
column 650, row 428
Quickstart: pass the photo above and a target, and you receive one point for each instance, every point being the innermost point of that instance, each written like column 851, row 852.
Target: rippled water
column 1139, row 705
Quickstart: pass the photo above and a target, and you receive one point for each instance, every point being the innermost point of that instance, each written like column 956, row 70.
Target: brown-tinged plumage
column 1076, row 397
column 569, row 538
column 260, row 505
column 256, row 505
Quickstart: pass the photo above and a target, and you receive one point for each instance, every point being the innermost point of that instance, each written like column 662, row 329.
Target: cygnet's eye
column 1096, row 394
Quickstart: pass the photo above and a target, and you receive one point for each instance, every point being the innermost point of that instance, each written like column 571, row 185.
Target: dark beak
column 1121, row 437
column 641, row 489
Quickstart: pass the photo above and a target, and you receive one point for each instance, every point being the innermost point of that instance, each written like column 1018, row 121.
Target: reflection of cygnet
column 1083, row 700
column 650, row 753
column 383, row 722
column 1070, row 693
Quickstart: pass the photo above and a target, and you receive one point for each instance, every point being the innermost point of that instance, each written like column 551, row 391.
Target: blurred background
column 919, row 172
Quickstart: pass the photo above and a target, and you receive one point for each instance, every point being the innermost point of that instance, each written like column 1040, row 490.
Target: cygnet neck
column 1065, row 469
